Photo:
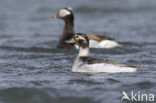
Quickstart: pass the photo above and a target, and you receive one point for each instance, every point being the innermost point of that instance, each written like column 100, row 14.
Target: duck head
column 80, row 39
column 65, row 14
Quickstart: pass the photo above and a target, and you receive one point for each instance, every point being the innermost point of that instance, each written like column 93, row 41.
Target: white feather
column 103, row 44
column 64, row 12
column 83, row 52
column 102, row 67
column 76, row 46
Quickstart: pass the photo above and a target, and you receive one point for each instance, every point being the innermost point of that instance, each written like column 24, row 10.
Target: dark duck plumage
column 68, row 31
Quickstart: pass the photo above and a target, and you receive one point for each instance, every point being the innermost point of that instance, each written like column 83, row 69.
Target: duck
column 86, row 64
column 96, row 41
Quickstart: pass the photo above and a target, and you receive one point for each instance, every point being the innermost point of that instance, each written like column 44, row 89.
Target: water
column 33, row 70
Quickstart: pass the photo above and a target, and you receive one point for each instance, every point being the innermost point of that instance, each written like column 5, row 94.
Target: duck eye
column 76, row 36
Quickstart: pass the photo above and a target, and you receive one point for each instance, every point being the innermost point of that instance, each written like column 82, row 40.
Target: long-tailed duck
column 85, row 63
column 96, row 41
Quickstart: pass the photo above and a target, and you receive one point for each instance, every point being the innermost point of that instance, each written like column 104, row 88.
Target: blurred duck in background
column 95, row 41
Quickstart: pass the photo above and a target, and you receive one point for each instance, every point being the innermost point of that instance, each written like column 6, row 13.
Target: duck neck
column 83, row 52
column 69, row 26
column 68, row 31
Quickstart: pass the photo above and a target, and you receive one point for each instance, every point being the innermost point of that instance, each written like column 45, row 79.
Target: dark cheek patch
column 80, row 42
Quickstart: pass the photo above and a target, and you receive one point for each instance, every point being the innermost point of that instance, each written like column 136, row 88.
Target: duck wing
column 90, row 60
column 98, row 38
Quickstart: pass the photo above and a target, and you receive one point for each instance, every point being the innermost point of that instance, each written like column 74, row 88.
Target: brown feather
column 91, row 60
column 99, row 38
column 114, row 63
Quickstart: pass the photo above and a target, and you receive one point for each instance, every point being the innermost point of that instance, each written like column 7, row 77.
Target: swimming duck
column 96, row 41
column 85, row 63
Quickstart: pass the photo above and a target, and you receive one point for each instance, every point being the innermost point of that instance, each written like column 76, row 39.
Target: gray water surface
column 33, row 70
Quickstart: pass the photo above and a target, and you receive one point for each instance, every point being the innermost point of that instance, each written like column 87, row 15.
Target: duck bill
column 70, row 41
column 55, row 16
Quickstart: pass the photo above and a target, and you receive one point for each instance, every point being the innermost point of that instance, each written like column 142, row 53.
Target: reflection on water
column 33, row 70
